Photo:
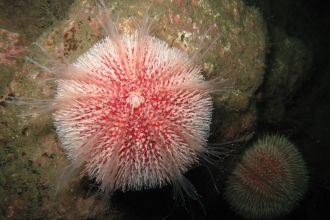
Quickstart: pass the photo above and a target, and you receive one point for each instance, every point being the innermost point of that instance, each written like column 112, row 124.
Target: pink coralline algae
column 11, row 44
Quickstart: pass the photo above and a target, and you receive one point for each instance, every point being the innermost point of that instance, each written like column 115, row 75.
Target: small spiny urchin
column 269, row 181
column 133, row 113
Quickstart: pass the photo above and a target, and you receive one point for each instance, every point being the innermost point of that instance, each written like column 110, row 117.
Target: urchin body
column 132, row 114
column 269, row 181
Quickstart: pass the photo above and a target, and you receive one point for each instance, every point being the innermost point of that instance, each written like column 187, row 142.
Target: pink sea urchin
column 269, row 181
column 133, row 113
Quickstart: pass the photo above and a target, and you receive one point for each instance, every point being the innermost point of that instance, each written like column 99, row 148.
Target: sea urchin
column 269, row 181
column 133, row 113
